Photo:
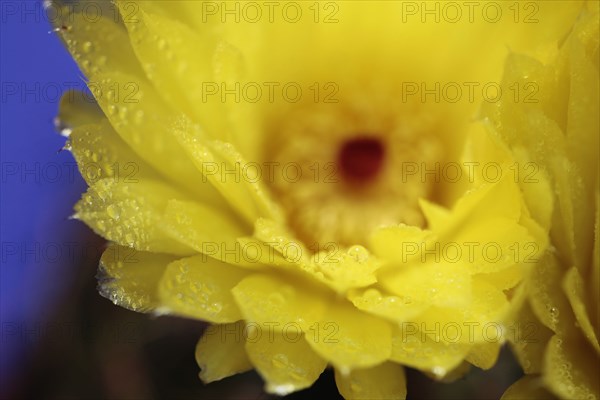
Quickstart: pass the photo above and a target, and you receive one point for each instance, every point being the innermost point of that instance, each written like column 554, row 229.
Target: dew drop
column 372, row 295
column 276, row 298
column 281, row 390
column 359, row 253
column 113, row 211
column 88, row 47
column 123, row 112
column 280, row 361
column 215, row 308
column 129, row 238
column 355, row 386
column 138, row 117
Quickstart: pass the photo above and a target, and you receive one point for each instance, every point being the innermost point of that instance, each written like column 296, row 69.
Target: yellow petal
column 440, row 284
column 484, row 355
column 594, row 277
column 255, row 253
column 528, row 338
column 347, row 269
column 462, row 244
column 573, row 287
column 583, row 125
column 341, row 337
column 569, row 371
column 98, row 46
column 200, row 287
column 436, row 215
column 98, row 149
column 395, row 308
column 482, row 322
column 129, row 278
column 415, row 348
column 455, row 374
column 385, row 241
column 77, row 108
column 213, row 159
column 101, row 153
column 527, row 388
column 280, row 300
column 187, row 52
column 546, row 294
column 278, row 236
column 284, row 360
column 220, row 352
column 505, row 279
column 284, row 251
column 202, row 227
column 130, row 214
column 498, row 200
column 558, row 133
column 386, row 381
column 145, row 122
column 103, row 51
column 536, row 188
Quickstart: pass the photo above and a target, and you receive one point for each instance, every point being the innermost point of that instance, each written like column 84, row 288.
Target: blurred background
column 59, row 338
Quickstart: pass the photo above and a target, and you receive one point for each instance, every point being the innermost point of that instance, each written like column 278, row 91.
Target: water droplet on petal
column 87, row 47
column 113, row 211
column 439, row 371
column 359, row 253
column 276, row 298
column 355, row 386
column 129, row 238
column 138, row 117
column 215, row 308
column 280, row 361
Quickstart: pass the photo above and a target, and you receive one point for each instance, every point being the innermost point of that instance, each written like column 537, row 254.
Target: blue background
column 40, row 246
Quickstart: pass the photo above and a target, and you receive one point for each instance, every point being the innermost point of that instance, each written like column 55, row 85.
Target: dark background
column 59, row 338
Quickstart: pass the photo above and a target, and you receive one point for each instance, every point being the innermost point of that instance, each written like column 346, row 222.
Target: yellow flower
column 560, row 319
column 274, row 178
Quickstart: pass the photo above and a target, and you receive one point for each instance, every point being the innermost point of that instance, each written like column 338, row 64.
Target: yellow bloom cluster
column 378, row 266
column 561, row 134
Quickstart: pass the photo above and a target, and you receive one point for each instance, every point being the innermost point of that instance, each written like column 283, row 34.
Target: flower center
column 360, row 160
column 339, row 167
